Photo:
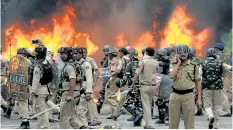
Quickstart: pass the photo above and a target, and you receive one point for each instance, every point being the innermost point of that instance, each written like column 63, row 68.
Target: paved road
column 200, row 122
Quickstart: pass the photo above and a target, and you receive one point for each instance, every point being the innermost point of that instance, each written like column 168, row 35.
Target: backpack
column 47, row 73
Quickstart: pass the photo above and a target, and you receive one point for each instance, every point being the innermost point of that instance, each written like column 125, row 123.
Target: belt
column 182, row 92
column 68, row 90
column 148, row 84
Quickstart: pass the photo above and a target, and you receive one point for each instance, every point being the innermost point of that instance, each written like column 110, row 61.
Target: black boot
column 199, row 112
column 4, row 108
column 138, row 119
column 160, row 122
column 8, row 112
column 211, row 122
column 132, row 118
column 98, row 108
column 162, row 111
column 25, row 125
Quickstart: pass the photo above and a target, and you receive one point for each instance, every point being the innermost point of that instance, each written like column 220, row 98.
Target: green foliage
column 227, row 40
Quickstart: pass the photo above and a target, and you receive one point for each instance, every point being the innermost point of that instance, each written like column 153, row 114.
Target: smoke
column 104, row 19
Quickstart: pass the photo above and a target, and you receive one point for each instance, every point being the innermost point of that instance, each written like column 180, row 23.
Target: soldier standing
column 124, row 59
column 146, row 71
column 68, row 117
column 104, row 64
column 133, row 103
column 39, row 89
column 185, row 77
column 212, row 83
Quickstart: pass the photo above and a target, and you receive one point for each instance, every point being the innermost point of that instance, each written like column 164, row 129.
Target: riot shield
column 163, row 85
column 18, row 78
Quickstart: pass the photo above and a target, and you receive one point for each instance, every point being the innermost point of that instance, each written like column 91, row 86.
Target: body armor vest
column 212, row 74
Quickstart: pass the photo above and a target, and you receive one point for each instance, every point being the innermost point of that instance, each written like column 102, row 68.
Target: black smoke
column 104, row 19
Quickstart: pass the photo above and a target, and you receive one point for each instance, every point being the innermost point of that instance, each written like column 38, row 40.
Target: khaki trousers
column 181, row 104
column 82, row 111
column 225, row 102
column 68, row 117
column 92, row 113
column 22, row 108
column 111, row 101
column 147, row 95
column 120, row 104
column 43, row 119
column 212, row 104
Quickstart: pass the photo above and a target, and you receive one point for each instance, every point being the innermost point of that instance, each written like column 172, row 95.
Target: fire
column 57, row 32
column 178, row 31
column 121, row 42
column 146, row 39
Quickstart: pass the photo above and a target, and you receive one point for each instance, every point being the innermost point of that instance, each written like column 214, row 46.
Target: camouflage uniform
column 104, row 64
column 133, row 103
column 212, row 83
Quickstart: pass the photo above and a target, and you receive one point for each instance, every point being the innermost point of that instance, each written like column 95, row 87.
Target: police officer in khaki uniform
column 185, row 76
column 124, row 59
column 23, row 105
column 92, row 114
column 146, row 71
column 87, row 83
column 113, row 71
column 68, row 117
column 40, row 92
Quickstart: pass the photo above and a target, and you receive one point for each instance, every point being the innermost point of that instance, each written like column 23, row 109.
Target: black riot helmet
column 78, row 49
column 40, row 52
column 24, row 51
column 192, row 52
column 162, row 54
column 66, row 50
column 182, row 49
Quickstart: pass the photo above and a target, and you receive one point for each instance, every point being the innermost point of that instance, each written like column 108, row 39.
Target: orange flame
column 121, row 42
column 145, row 40
column 178, row 31
column 61, row 34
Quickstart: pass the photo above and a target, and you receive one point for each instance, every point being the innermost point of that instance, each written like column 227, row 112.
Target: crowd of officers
column 194, row 81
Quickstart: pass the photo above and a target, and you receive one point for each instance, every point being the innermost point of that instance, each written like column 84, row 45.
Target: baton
column 50, row 109
column 45, row 111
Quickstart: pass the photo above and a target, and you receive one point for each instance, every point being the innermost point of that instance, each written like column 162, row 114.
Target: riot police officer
column 162, row 101
column 124, row 59
column 185, row 76
column 212, row 83
column 104, row 64
column 39, row 90
column 133, row 103
column 87, row 105
column 68, row 117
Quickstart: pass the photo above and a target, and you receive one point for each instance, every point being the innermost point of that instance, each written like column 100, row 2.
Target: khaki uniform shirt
column 147, row 68
column 37, row 88
column 93, row 65
column 70, row 72
column 185, row 76
column 122, row 64
column 87, row 69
